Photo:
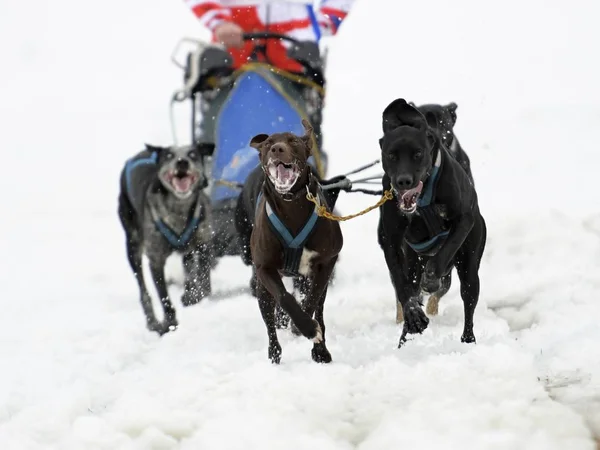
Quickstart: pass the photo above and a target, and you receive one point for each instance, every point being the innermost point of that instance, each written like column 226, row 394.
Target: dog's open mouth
column 282, row 175
column 407, row 200
column 182, row 183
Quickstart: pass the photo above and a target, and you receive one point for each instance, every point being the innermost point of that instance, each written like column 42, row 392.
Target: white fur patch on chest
column 305, row 267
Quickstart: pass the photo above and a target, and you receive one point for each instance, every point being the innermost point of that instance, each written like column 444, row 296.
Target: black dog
column 163, row 209
column 433, row 225
column 442, row 118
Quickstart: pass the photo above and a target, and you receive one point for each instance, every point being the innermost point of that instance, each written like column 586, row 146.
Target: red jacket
column 297, row 19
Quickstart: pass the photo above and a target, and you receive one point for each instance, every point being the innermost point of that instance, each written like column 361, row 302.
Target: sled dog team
column 429, row 223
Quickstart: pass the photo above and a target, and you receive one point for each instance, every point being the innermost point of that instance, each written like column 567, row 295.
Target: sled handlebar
column 269, row 35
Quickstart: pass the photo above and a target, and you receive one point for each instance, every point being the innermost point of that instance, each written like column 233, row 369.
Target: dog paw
column 154, row 325
column 468, row 338
column 163, row 328
column 432, row 308
column 275, row 353
column 415, row 320
column 320, row 354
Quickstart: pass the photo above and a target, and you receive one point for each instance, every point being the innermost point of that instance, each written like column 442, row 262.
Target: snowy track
column 81, row 372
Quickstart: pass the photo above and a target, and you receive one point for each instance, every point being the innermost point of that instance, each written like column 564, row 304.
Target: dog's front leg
column 266, row 303
column 157, row 269
column 197, row 265
column 438, row 265
column 134, row 255
column 415, row 320
column 272, row 282
column 315, row 301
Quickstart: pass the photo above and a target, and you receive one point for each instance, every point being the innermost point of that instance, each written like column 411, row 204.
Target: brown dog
column 288, row 239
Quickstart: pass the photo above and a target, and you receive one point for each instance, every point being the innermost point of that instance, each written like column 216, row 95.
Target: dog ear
column 257, row 140
column 399, row 113
column 431, row 139
column 431, row 119
column 154, row 148
column 308, row 128
column 308, row 137
column 451, row 108
column 205, row 149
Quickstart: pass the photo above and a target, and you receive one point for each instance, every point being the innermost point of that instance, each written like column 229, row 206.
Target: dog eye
column 192, row 154
column 417, row 155
column 169, row 155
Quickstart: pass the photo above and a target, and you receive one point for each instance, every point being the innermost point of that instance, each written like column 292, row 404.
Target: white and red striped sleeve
column 333, row 12
column 210, row 13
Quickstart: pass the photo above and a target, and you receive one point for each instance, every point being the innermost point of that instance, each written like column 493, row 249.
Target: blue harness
column 293, row 246
column 426, row 209
column 179, row 241
column 175, row 240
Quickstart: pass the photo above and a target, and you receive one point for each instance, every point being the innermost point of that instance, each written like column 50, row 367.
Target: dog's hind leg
column 282, row 320
column 267, row 310
column 157, row 269
column 466, row 266
column 433, row 302
column 197, row 265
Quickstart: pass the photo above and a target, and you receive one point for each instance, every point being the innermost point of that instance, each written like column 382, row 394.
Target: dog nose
column 404, row 181
column 182, row 165
column 277, row 148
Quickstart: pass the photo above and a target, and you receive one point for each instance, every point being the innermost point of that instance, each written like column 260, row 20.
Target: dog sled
column 256, row 98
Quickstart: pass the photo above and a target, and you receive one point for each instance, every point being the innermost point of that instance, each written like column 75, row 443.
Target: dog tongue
column 284, row 175
column 411, row 195
column 182, row 184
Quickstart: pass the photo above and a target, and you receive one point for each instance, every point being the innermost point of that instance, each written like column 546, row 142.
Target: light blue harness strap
column 428, row 244
column 287, row 238
column 291, row 241
column 172, row 238
column 132, row 164
column 179, row 241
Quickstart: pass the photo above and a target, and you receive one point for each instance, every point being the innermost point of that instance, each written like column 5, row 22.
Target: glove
column 229, row 34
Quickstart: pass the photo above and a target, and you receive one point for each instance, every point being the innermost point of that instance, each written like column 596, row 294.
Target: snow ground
column 85, row 87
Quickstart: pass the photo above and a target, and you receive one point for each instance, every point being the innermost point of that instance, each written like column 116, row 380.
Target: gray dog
column 163, row 210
